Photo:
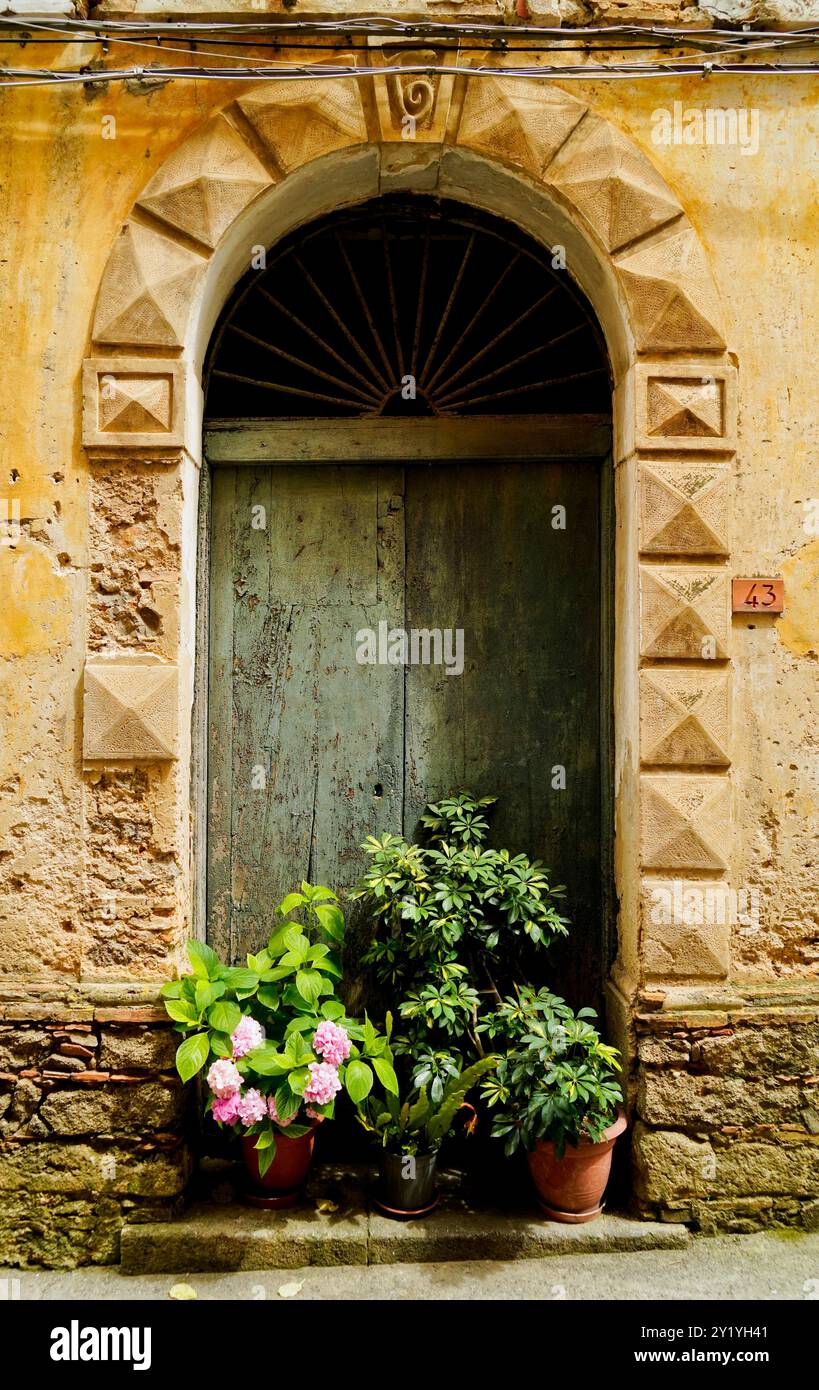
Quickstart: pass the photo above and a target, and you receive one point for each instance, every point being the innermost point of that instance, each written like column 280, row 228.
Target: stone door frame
column 284, row 153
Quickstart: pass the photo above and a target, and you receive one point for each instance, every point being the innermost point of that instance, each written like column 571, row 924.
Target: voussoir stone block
column 685, row 822
column 517, row 121
column 684, row 716
column 131, row 402
column 685, row 929
column 684, row 508
column 411, row 106
column 146, row 290
column 298, row 121
column 203, row 186
column 613, row 185
column 684, row 612
column 130, row 711
column 671, row 293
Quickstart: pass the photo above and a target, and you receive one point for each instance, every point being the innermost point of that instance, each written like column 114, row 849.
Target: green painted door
column 310, row 749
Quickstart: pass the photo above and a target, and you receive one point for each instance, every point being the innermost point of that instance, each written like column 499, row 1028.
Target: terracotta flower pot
column 570, row 1189
column 282, row 1184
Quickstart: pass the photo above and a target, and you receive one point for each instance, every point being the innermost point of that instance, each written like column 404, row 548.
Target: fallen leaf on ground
column 290, row 1290
column 324, row 1204
column 183, row 1292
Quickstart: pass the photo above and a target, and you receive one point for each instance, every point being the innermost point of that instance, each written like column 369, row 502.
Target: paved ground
column 726, row 1267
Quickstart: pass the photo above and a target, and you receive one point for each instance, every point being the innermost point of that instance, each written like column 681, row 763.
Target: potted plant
column 457, row 925
column 555, row 1094
column 410, row 1133
column 274, row 1042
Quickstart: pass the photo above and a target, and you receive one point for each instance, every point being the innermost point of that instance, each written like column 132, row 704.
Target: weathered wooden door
column 311, row 749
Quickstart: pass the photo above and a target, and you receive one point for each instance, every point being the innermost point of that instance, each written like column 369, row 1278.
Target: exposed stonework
column 726, row 1137
column 92, row 1130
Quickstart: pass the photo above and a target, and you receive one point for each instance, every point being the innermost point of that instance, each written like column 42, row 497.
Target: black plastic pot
column 406, row 1183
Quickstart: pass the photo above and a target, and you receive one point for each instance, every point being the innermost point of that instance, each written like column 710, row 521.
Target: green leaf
column 266, row 1138
column 221, row 1045
column 287, row 1100
column 332, row 1009
column 181, row 1012
column 224, row 1016
column 268, row 996
column 298, row 1079
column 204, row 961
column 385, row 1072
column 358, row 1080
column 206, row 992
column 331, row 919
column 191, row 1055
column 308, row 984
column 237, row 978
column 266, row 1157
column 292, row 900
column 266, row 1061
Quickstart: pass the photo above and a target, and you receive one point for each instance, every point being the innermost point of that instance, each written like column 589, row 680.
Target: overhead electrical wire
column 136, row 34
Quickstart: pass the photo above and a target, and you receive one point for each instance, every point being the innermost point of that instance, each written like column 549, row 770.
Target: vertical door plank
column 220, row 714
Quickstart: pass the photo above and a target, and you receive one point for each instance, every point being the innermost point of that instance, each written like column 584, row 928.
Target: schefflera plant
column 274, row 1036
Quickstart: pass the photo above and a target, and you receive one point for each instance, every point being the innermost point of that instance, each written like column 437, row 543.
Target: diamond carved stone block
column 130, row 711
column 518, row 121
column 685, row 928
column 684, row 508
column 204, row 185
column 298, row 121
column 671, row 294
column 133, row 402
column 685, row 822
column 684, row 613
column 687, row 408
column 684, row 716
column 612, row 184
column 146, row 291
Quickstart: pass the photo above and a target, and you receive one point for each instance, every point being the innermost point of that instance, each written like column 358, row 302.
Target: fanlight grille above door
column 407, row 307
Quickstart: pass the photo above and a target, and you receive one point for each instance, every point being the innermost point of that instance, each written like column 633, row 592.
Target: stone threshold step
column 336, row 1225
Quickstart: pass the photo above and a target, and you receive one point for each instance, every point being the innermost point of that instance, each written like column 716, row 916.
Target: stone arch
column 283, row 152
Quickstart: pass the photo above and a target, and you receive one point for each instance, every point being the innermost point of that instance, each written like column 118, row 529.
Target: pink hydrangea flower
column 324, row 1083
column 224, row 1078
column 274, row 1114
column 246, row 1035
column 313, row 1114
column 226, row 1108
column 252, row 1107
column 330, row 1041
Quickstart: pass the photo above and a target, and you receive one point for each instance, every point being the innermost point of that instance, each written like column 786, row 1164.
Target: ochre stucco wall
column 95, row 866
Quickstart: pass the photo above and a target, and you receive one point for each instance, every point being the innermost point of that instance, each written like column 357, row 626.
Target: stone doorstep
column 213, row 1238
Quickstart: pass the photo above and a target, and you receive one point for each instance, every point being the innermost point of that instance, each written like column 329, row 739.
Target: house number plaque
column 757, row 595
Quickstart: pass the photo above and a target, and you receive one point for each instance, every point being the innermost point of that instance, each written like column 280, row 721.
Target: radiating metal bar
column 325, row 346
column 484, row 305
column 539, row 385
column 452, row 296
column 499, row 337
column 513, row 362
column 365, row 308
column 304, row 366
column 283, row 390
column 396, row 327
column 352, row 340
column 422, row 293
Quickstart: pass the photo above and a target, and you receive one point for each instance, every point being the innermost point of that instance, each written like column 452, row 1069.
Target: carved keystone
column 130, row 711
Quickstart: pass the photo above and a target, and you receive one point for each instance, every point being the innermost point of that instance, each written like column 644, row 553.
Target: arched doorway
column 408, row 433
